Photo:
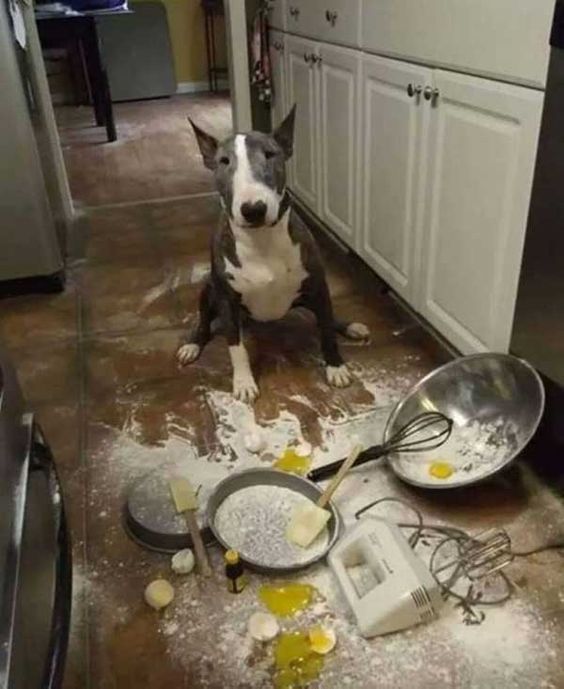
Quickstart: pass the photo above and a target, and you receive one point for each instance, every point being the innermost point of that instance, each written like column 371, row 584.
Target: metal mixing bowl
column 272, row 477
column 486, row 388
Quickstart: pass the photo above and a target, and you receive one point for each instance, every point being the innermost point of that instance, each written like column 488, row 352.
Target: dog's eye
column 224, row 160
column 269, row 154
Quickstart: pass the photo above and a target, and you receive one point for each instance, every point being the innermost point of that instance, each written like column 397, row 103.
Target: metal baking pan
column 272, row 477
column 150, row 518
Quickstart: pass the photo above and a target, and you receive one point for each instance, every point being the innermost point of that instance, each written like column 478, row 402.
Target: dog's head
column 250, row 171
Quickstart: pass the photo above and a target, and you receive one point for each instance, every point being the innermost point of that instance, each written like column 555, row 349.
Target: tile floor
column 155, row 155
column 97, row 365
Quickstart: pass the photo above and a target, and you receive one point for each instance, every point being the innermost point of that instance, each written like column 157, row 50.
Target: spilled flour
column 517, row 645
column 254, row 520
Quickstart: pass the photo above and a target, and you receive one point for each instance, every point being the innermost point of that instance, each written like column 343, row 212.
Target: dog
column 264, row 260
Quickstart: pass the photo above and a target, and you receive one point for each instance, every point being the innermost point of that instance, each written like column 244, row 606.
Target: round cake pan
column 151, row 520
column 272, row 477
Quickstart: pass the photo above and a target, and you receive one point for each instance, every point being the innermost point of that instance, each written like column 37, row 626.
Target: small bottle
column 236, row 580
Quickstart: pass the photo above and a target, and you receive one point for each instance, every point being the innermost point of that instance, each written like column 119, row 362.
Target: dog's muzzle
column 254, row 213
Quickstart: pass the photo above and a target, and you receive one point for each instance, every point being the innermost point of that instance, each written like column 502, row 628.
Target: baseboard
column 200, row 86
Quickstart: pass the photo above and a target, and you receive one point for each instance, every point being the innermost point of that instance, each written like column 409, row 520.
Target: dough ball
column 263, row 627
column 183, row 561
column 159, row 594
column 254, row 442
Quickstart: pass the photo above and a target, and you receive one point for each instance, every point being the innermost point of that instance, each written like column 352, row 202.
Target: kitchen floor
column 155, row 156
column 97, row 365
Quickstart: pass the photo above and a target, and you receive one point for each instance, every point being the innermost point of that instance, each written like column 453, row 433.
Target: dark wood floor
column 155, row 156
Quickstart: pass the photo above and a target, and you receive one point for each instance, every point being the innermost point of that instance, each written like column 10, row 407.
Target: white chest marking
column 271, row 272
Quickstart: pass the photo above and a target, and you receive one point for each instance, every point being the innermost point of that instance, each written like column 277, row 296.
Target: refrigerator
column 538, row 330
column 35, row 202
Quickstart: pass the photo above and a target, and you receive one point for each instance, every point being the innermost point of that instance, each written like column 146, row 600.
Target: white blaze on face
column 248, row 189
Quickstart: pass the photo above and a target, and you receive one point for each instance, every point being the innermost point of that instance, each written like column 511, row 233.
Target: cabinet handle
column 431, row 94
column 414, row 90
column 294, row 12
column 331, row 17
column 309, row 58
column 316, row 59
column 279, row 46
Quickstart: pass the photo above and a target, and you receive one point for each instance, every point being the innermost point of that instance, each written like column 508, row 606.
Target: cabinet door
column 483, row 141
column 394, row 126
column 277, row 50
column 339, row 71
column 303, row 82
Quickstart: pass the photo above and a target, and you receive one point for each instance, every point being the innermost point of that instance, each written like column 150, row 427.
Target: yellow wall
column 186, row 26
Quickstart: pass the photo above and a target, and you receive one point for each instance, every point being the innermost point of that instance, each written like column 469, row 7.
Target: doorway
column 166, row 62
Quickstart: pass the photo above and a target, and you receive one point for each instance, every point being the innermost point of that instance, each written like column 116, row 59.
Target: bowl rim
column 211, row 510
column 432, row 374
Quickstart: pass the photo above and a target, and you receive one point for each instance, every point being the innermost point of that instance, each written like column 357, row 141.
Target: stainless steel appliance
column 35, row 205
column 538, row 331
column 35, row 553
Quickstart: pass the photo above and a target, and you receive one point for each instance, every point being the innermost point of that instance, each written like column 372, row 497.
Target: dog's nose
column 254, row 213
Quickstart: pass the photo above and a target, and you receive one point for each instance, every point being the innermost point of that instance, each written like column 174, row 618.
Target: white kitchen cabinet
column 302, row 83
column 482, row 147
column 339, row 76
column 498, row 39
column 425, row 172
column 277, row 14
column 394, row 130
column 279, row 106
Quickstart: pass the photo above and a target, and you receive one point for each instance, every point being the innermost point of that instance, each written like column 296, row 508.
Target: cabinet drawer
column 277, row 14
column 333, row 21
column 502, row 39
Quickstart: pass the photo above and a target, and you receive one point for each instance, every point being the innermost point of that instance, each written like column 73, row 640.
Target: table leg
column 207, row 16
column 99, row 81
column 93, row 73
column 214, row 63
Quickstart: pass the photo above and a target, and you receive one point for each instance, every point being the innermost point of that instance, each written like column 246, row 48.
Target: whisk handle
column 321, row 473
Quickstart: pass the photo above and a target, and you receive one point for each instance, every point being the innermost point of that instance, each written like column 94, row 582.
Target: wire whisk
column 424, row 432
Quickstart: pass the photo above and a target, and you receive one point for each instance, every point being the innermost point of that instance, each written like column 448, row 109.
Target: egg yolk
column 441, row 470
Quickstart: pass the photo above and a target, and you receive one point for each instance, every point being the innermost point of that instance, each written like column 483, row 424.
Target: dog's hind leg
column 352, row 331
column 191, row 350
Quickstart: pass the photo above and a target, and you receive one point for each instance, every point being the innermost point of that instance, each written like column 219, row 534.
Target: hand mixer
column 423, row 433
column 385, row 583
column 390, row 588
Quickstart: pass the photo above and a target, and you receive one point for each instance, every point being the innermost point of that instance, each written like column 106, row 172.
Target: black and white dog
column 264, row 260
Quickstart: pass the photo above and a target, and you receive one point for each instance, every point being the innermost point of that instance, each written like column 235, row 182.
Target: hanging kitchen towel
column 261, row 57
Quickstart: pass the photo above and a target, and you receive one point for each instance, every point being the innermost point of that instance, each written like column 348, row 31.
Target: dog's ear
column 208, row 146
column 284, row 134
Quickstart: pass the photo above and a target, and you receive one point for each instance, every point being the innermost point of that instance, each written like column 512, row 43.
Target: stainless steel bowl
column 272, row 477
column 487, row 388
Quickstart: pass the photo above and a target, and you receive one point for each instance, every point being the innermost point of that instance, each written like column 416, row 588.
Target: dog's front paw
column 188, row 353
column 358, row 331
column 245, row 388
column 339, row 376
